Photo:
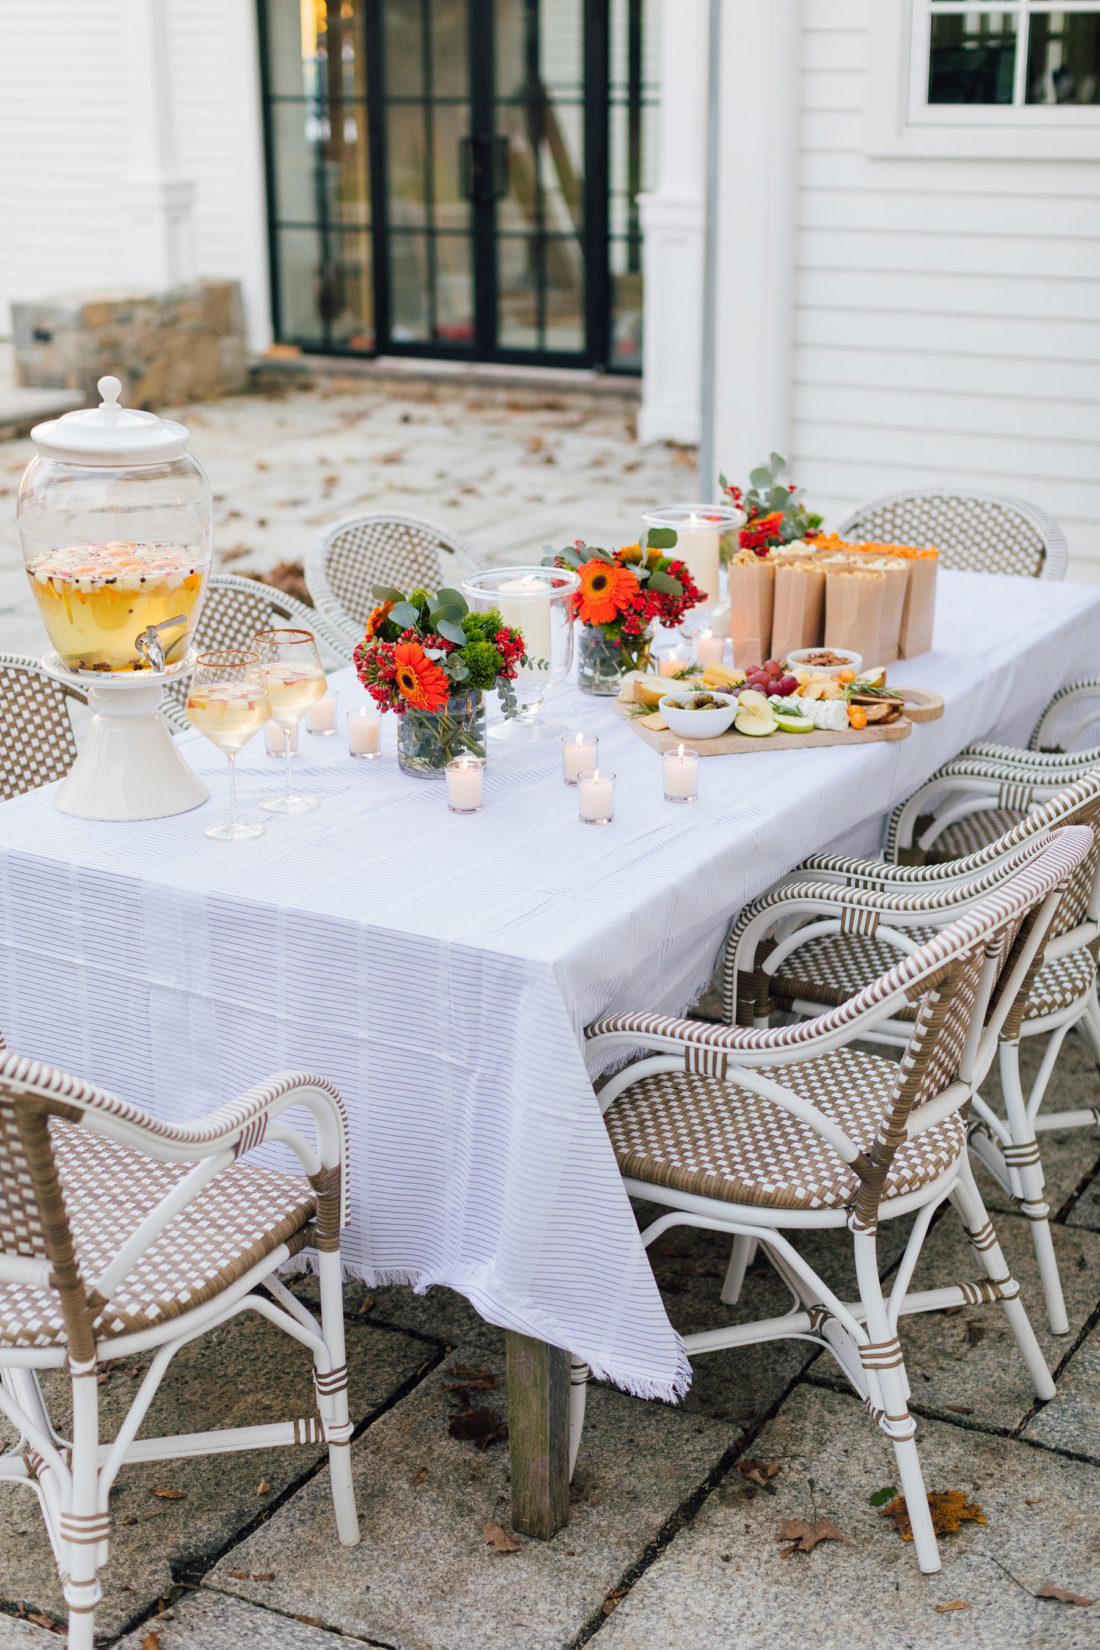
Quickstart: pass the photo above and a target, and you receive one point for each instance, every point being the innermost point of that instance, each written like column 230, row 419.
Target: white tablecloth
column 440, row 969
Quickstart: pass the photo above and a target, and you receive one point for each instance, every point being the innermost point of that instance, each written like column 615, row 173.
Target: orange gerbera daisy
column 605, row 590
column 419, row 679
column 378, row 619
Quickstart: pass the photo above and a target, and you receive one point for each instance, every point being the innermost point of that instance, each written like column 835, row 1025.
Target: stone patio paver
column 24, row 1635
column 1071, row 1421
column 214, row 1622
column 424, row 1575
column 722, row 1584
column 244, row 1373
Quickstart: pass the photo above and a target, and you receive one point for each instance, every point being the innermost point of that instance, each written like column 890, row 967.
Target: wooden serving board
column 921, row 706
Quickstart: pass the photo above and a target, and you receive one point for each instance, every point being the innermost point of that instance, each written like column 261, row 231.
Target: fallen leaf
column 959, row 1409
column 263, row 1575
column 288, row 577
column 478, row 1426
column 38, row 1619
column 955, row 1604
column 948, row 1511
column 151, row 1642
column 502, row 1540
column 365, row 1305
column 1033, row 1503
column 419, row 1479
column 169, row 1495
column 310, row 1621
column 880, row 1497
column 975, row 1332
column 235, row 551
column 1049, row 1590
column 611, row 1600
column 758, row 1471
column 263, row 1487
column 237, row 1575
column 482, row 1379
column 805, row 1537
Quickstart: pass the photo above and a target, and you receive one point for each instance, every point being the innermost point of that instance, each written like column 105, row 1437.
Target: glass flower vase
column 428, row 739
column 603, row 661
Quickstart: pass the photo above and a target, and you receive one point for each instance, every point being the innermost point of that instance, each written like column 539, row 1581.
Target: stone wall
column 167, row 347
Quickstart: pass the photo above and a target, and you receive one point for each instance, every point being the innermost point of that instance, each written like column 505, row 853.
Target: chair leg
column 83, row 1528
column 1023, row 1156
column 579, row 1373
column 742, row 1255
column 979, row 1229
column 883, row 1360
column 332, row 1397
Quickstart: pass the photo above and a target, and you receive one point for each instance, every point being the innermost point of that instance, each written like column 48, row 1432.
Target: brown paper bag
column 919, row 611
column 752, row 594
column 853, row 609
column 895, row 589
column 798, row 616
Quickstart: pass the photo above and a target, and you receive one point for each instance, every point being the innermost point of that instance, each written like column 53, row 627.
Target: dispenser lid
column 110, row 434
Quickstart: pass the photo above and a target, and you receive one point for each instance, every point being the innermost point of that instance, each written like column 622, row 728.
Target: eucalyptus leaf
column 778, row 465
column 661, row 538
column 451, row 632
column 387, row 593
column 760, row 478
column 458, row 671
column 779, row 497
column 405, row 614
column 596, row 554
column 453, row 598
column 666, row 584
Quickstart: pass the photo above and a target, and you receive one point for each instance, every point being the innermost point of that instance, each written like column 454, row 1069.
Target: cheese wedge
column 723, row 676
column 654, row 721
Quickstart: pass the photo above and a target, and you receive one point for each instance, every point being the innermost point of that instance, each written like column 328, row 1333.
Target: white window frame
column 901, row 121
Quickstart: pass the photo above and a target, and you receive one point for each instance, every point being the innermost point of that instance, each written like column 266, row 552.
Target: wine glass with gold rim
column 228, row 703
column 295, row 679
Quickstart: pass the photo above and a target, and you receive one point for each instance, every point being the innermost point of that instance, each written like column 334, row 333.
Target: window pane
column 1063, row 58
column 404, row 48
column 321, row 163
column 973, row 57
column 302, row 288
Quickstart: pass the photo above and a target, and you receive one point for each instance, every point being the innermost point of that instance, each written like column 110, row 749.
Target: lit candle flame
column 680, row 752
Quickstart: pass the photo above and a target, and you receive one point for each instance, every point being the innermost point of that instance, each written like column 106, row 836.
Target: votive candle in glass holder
column 578, row 755
column 673, row 663
column 321, row 717
column 681, row 769
column 709, row 648
column 364, row 733
column 273, row 740
column 596, row 797
column 464, row 777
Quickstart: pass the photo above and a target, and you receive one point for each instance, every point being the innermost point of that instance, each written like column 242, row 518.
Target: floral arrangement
column 623, row 591
column 775, row 516
column 428, row 658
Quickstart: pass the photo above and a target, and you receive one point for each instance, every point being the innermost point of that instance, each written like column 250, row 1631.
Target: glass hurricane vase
column 427, row 740
column 603, row 661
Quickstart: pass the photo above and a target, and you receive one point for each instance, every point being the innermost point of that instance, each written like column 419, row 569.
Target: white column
column 161, row 241
column 672, row 226
column 761, row 51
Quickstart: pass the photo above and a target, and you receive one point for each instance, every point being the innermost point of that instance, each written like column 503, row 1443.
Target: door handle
column 466, row 168
column 501, row 153
column 482, row 168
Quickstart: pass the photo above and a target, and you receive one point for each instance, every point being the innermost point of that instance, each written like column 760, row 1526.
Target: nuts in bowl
column 825, row 661
column 702, row 715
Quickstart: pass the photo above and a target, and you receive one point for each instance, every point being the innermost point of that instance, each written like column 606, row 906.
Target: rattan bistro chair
column 824, row 931
column 379, row 547
column 37, row 743
column 985, row 532
column 120, row 1234
column 768, row 1133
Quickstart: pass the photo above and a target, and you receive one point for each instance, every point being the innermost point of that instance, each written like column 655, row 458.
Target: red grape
column 789, row 684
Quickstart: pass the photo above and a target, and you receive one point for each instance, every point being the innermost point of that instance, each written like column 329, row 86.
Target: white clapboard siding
column 947, row 311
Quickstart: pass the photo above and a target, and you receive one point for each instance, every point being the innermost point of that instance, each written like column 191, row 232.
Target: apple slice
column 755, row 723
column 753, row 700
column 788, row 722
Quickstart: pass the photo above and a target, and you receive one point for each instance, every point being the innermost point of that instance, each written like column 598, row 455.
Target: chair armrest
column 1086, row 689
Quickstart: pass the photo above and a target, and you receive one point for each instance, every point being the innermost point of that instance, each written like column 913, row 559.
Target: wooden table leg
column 538, row 1435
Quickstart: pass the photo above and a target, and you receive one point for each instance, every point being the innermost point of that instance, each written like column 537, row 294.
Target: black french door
column 439, row 178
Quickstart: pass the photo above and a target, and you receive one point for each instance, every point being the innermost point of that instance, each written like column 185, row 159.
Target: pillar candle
column 698, row 546
column 532, row 617
column 709, row 647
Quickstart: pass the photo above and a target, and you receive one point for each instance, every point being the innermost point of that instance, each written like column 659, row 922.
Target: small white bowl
column 699, row 724
column 852, row 661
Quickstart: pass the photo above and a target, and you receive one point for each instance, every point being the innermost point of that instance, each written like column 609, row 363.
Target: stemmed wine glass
column 295, row 679
column 228, row 702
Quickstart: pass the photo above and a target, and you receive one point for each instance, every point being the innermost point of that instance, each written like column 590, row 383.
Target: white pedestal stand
column 129, row 766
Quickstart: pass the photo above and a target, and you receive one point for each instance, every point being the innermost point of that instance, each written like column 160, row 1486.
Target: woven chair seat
column 834, row 967
column 972, row 834
column 241, row 1216
column 701, row 1135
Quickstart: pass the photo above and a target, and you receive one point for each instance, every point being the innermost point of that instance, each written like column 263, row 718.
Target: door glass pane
column 301, row 295
column 632, row 154
column 539, row 115
column 973, row 57
column 322, row 164
column 427, row 118
column 1063, row 57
